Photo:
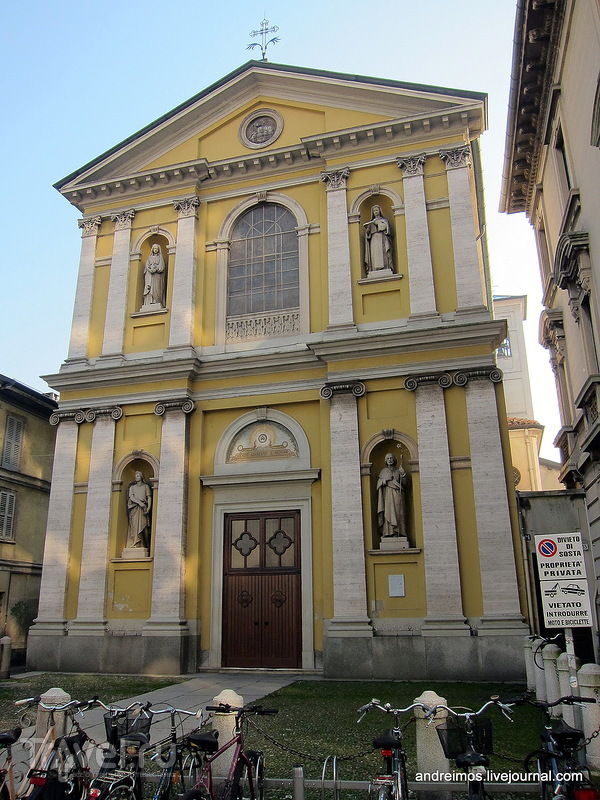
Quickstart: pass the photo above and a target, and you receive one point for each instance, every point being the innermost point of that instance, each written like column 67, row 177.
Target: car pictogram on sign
column 547, row 548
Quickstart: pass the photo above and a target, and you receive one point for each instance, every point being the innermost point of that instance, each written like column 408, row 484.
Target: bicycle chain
column 591, row 737
column 299, row 752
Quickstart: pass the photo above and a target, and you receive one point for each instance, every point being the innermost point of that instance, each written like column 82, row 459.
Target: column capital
column 65, row 416
column 336, row 178
column 412, row 382
column 187, row 207
column 357, row 388
column 457, row 157
column 116, row 412
column 462, row 377
column 123, row 219
column 89, row 226
column 185, row 404
column 412, row 165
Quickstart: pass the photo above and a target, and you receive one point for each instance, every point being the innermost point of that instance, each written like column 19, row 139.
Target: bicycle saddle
column 140, row 738
column 207, row 742
column 472, row 759
column 10, row 737
column 567, row 737
column 388, row 741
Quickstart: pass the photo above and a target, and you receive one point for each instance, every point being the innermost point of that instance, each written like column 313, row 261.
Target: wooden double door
column 262, row 604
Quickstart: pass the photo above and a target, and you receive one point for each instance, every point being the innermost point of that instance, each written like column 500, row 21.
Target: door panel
column 261, row 590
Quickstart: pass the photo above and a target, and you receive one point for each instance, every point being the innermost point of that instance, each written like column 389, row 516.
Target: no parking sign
column 563, row 581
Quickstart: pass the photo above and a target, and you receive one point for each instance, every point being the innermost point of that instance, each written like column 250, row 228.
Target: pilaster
column 184, row 277
column 116, row 306
column 440, row 546
column 501, row 612
column 94, row 556
column 338, row 250
column 82, row 309
column 469, row 278
column 350, row 616
column 420, row 269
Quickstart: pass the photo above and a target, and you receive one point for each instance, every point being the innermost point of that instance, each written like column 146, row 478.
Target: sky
column 79, row 76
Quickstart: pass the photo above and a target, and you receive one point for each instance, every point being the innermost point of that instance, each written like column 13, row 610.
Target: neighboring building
column 552, row 173
column 531, row 473
column 283, row 343
column 27, row 451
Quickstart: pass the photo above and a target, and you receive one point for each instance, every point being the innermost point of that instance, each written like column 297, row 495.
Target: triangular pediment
column 311, row 104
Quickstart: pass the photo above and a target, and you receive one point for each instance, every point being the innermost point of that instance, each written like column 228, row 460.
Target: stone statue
column 139, row 505
column 378, row 242
column 154, row 278
column 390, row 499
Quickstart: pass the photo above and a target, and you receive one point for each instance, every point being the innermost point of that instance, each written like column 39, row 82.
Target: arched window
column 263, row 273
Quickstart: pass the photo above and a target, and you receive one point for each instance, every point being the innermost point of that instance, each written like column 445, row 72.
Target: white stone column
column 440, row 546
column 168, row 608
column 82, row 309
column 469, row 273
column 420, row 268
column 338, row 250
column 350, row 616
column 53, row 586
column 494, row 529
column 184, row 277
column 116, row 306
column 94, row 556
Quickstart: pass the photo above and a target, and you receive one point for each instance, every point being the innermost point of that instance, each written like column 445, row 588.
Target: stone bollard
column 53, row 697
column 529, row 665
column 225, row 724
column 430, row 755
column 5, row 652
column 540, row 679
column 550, row 653
column 589, row 686
column 562, row 667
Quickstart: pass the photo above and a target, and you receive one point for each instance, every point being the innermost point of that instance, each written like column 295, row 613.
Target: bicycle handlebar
column 568, row 700
column 493, row 701
column 173, row 710
column 71, row 704
column 226, row 708
column 387, row 708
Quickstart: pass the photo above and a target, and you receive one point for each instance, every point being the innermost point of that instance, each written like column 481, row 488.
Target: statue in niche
column 154, row 278
column 391, row 500
column 139, row 506
column 378, row 243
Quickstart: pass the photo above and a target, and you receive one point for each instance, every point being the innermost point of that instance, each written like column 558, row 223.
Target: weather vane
column 264, row 30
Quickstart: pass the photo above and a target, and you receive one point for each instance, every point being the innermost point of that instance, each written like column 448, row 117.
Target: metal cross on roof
column 263, row 32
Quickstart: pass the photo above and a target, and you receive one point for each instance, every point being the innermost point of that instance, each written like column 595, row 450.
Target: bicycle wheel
column 190, row 771
column 387, row 792
column 245, row 782
column 123, row 791
column 201, row 793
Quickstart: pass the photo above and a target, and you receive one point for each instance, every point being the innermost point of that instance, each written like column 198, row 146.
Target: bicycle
column 561, row 775
column 245, row 777
column 65, row 772
column 391, row 784
column 180, row 765
column 8, row 773
column 127, row 733
column 466, row 739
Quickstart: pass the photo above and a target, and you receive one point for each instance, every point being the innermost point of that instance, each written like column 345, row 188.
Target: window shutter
column 7, row 513
column 12, row 442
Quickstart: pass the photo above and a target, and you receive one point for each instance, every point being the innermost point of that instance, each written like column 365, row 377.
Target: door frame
column 288, row 491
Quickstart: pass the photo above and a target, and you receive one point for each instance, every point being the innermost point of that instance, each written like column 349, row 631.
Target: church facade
column 281, row 439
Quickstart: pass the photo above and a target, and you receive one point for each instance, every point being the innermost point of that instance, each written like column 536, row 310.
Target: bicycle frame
column 205, row 779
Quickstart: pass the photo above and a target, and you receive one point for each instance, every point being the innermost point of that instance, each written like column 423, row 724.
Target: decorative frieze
column 412, row 165
column 457, row 157
column 185, row 404
column 123, row 219
column 336, row 179
column 461, row 378
column 89, row 226
column 357, row 388
column 187, row 207
column 238, row 330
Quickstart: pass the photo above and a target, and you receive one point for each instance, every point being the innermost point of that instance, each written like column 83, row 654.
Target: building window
column 562, row 164
column 263, row 273
column 8, row 501
column 505, row 350
column 13, row 438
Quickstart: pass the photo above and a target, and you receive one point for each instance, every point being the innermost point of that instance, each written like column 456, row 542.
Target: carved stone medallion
column 261, row 128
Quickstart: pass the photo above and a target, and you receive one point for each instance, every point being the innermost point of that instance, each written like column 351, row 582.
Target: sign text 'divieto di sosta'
column 563, row 581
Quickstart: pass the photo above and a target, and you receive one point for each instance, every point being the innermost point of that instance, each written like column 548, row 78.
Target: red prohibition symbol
column 547, row 548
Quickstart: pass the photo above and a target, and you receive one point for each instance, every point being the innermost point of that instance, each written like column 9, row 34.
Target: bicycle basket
column 119, row 725
column 454, row 740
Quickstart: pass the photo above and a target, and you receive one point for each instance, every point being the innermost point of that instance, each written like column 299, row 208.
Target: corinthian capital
column 89, row 226
column 412, row 165
column 123, row 219
column 336, row 179
column 456, row 158
column 187, row 207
